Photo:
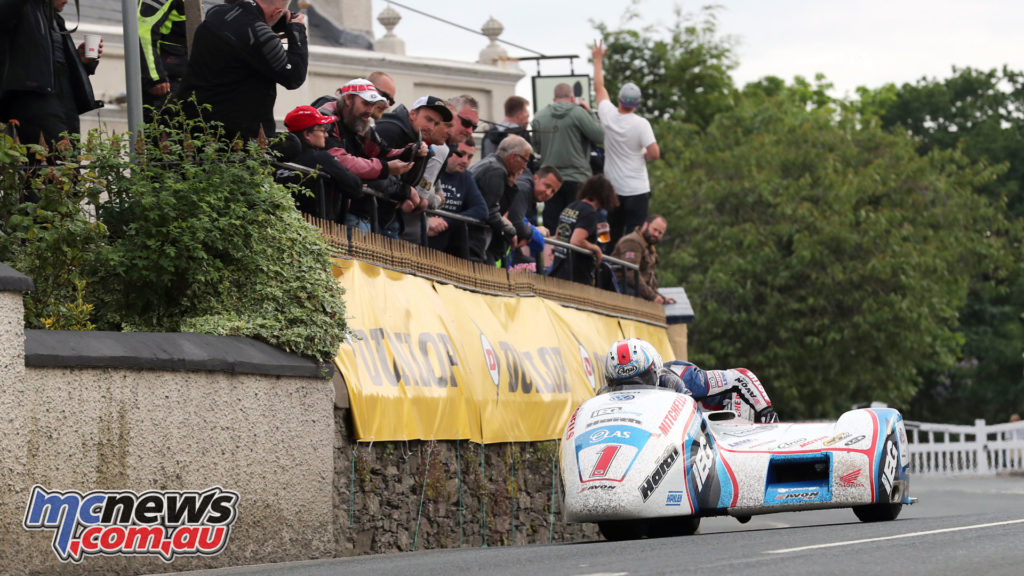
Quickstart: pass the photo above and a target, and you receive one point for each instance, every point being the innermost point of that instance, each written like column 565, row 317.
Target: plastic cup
column 92, row 46
column 604, row 233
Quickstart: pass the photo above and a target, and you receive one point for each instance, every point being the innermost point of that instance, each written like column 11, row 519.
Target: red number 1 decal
column 604, row 462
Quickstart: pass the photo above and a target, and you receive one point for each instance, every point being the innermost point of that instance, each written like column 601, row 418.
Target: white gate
column 948, row 449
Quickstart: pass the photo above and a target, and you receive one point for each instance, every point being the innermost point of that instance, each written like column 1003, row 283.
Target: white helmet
column 632, row 361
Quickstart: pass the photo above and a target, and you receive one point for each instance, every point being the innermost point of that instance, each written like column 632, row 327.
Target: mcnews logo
column 165, row 523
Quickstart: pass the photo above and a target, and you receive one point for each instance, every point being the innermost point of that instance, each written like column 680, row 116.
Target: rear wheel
column 615, row 530
column 877, row 512
column 674, row 526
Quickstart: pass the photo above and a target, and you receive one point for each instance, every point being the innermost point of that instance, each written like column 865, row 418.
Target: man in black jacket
column 45, row 79
column 237, row 61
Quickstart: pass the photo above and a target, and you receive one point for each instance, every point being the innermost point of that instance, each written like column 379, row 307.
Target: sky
column 852, row 42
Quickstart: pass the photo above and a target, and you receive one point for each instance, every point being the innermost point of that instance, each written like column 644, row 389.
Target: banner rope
column 423, row 492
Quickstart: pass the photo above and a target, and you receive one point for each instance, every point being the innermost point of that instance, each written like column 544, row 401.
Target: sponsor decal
column 653, row 480
column 571, row 428
column 741, row 431
column 598, row 487
column 588, row 368
column 741, row 442
column 672, row 415
column 702, row 462
column 851, row 479
column 836, row 439
column 889, row 468
column 791, row 443
column 604, row 461
column 606, row 421
column 674, row 498
column 716, row 381
column 491, row 357
column 166, row 523
column 854, row 440
column 809, row 442
column 812, row 495
column 605, row 433
column 621, row 397
column 626, row 370
column 605, row 411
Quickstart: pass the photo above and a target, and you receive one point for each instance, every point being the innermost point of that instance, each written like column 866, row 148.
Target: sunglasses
column 467, row 123
column 391, row 101
column 459, row 153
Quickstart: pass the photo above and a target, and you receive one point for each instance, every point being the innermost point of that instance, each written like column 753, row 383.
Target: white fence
column 949, row 449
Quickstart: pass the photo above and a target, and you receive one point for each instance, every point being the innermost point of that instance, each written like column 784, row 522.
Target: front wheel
column 877, row 512
column 616, row 530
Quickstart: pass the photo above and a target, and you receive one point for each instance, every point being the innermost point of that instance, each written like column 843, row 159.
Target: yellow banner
column 432, row 361
column 402, row 372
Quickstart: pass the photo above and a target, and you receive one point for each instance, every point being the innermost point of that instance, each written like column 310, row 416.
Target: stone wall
column 111, row 411
column 404, row 496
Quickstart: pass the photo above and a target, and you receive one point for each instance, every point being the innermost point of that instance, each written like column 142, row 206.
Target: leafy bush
column 190, row 234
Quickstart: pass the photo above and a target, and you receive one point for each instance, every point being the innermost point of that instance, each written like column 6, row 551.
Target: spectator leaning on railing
column 577, row 225
column 331, row 197
column 462, row 197
column 496, row 176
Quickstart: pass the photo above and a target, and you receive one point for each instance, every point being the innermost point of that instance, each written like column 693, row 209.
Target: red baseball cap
column 305, row 117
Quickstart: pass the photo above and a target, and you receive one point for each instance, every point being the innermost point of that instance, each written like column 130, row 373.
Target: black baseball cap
column 435, row 104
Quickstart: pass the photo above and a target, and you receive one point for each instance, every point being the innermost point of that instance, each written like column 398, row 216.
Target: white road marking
column 909, row 535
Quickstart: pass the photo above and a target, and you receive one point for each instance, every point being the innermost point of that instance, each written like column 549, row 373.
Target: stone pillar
column 390, row 43
column 494, row 54
column 13, row 423
column 351, row 15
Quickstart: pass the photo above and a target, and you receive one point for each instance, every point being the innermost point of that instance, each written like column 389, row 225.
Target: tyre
column 673, row 526
column 616, row 530
column 877, row 512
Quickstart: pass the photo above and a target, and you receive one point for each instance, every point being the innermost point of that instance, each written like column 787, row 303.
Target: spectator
column 461, row 196
column 386, row 88
column 237, row 60
column 639, row 247
column 330, row 200
column 45, row 79
column 496, row 176
column 629, row 144
column 517, row 121
column 577, row 225
column 534, row 188
column 402, row 127
column 426, row 187
column 467, row 115
column 163, row 36
column 357, row 146
column 563, row 133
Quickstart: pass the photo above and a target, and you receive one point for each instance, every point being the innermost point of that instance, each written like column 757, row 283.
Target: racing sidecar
column 644, row 461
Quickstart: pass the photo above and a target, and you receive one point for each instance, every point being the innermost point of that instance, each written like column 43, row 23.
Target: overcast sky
column 853, row 42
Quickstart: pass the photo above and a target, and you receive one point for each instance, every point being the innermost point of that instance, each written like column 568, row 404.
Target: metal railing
column 952, row 449
column 610, row 264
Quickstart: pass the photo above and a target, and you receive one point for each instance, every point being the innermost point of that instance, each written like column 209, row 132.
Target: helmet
column 632, row 361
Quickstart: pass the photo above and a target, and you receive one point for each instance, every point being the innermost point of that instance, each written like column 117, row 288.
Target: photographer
column 238, row 59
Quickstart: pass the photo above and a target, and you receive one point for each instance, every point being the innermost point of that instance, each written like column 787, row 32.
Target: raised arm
column 599, row 88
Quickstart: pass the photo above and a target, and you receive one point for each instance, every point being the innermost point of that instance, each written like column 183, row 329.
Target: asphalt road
column 972, row 526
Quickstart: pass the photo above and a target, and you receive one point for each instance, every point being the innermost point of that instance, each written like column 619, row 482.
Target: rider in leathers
column 635, row 361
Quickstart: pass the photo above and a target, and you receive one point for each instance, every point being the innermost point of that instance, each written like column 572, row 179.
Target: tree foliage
column 189, row 233
column 980, row 113
column 825, row 254
column 683, row 67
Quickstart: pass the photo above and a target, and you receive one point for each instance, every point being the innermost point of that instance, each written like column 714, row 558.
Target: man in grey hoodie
column 563, row 134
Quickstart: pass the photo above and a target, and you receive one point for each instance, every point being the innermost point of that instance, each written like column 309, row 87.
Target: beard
column 354, row 123
column 650, row 238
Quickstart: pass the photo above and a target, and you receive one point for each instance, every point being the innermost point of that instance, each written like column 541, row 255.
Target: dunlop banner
column 433, row 361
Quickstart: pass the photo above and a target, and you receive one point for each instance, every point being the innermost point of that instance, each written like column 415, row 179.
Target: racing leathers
column 736, row 389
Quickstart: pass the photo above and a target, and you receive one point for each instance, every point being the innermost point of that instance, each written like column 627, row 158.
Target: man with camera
column 238, row 60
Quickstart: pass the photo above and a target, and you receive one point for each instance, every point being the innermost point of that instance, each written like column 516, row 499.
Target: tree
column 980, row 113
column 825, row 254
column 683, row 68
